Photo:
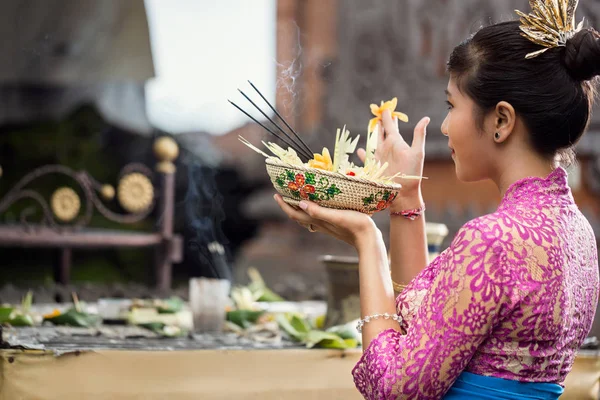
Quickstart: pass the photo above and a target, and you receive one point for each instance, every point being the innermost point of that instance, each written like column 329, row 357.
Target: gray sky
column 203, row 51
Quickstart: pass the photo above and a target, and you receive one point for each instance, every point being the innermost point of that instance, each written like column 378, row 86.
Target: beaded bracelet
column 410, row 214
column 363, row 321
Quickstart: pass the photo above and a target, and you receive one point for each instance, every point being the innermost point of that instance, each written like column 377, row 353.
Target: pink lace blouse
column 513, row 297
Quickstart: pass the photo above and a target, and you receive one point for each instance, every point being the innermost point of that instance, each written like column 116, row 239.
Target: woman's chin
column 467, row 175
column 461, row 174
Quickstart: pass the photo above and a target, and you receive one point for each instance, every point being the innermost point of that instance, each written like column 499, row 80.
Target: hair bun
column 582, row 55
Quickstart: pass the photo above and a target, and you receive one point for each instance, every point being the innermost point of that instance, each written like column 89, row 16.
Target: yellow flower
column 322, row 161
column 378, row 112
column 54, row 313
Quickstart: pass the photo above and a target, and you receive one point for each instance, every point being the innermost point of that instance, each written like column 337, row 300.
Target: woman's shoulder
column 518, row 228
column 487, row 223
column 501, row 227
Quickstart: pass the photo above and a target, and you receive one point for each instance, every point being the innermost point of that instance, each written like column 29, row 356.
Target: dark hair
column 553, row 92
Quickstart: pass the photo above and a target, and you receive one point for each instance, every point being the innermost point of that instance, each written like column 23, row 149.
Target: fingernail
column 303, row 205
column 275, row 196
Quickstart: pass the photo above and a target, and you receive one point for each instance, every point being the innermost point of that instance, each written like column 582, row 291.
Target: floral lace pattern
column 513, row 297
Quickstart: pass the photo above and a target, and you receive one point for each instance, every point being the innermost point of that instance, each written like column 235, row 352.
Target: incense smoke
column 290, row 73
column 204, row 212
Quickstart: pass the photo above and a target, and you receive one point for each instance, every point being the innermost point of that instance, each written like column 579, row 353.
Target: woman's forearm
column 376, row 292
column 408, row 241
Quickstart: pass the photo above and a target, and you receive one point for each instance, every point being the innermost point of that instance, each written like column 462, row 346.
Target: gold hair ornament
column 550, row 24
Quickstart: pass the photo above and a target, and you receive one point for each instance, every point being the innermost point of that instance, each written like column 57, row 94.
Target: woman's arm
column 359, row 231
column 376, row 292
column 408, row 241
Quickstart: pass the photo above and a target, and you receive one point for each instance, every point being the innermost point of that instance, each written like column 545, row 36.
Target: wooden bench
column 67, row 214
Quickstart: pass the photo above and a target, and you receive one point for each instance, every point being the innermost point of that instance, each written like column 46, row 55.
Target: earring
column 497, row 136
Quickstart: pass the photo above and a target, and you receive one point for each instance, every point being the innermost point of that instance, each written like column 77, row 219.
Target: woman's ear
column 505, row 120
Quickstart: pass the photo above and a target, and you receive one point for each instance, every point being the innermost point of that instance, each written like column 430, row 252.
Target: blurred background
column 92, row 85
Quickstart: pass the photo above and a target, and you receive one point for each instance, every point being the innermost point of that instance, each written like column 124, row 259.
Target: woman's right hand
column 401, row 157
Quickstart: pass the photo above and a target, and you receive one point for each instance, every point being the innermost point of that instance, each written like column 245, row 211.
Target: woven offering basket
column 329, row 189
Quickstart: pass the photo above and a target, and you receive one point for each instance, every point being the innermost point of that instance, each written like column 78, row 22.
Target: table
column 88, row 364
column 206, row 367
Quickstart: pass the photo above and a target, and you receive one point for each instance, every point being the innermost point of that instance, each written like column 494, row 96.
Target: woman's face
column 471, row 149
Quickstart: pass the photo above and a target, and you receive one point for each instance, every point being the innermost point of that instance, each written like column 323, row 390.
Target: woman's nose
column 445, row 126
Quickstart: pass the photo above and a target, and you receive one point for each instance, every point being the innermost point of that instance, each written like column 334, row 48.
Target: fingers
column 322, row 214
column 362, row 154
column 309, row 227
column 312, row 210
column 390, row 127
column 420, row 133
column 309, row 213
column 304, row 219
column 297, row 215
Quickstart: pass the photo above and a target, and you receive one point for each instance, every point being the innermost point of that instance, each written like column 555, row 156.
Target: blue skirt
column 475, row 387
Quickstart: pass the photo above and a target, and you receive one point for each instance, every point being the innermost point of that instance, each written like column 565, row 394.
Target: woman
column 502, row 312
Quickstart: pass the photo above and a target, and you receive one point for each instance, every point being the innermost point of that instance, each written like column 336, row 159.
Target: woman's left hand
column 351, row 227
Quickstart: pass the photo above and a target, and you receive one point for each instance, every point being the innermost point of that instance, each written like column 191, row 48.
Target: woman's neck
column 522, row 166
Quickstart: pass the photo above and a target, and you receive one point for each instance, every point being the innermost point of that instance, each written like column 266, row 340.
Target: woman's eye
column 450, row 106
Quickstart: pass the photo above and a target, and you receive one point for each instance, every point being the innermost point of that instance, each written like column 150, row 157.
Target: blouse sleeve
column 475, row 287
column 409, row 301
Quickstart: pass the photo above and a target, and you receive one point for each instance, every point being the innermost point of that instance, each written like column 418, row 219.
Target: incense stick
column 270, row 131
column 307, row 153
column 281, row 118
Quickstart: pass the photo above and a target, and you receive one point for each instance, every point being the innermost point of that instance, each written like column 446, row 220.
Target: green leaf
column 269, row 296
column 368, row 200
column 346, row 331
column 156, row 327
column 300, row 324
column 310, row 178
column 18, row 317
column 280, row 181
column 386, row 195
column 163, row 329
column 290, row 176
column 332, row 344
column 75, row 318
column 325, row 340
column 5, row 314
column 313, row 197
column 170, row 306
column 21, row 320
column 259, row 288
column 244, row 318
column 285, row 324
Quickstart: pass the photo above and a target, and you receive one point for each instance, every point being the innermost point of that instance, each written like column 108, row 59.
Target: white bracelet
column 363, row 321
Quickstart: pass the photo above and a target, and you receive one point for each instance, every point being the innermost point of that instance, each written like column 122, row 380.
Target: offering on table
column 330, row 178
column 171, row 305
column 161, row 316
column 18, row 316
column 75, row 316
